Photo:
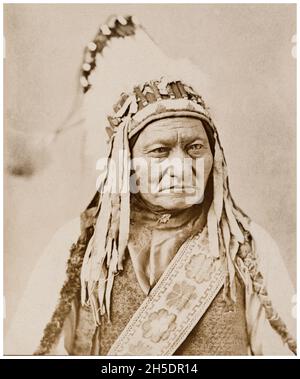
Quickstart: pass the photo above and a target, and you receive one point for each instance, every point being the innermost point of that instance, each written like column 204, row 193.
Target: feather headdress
column 122, row 59
column 123, row 63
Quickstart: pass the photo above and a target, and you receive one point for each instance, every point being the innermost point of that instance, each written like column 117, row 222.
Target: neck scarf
column 156, row 235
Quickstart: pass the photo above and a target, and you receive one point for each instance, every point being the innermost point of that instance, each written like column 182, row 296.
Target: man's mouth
column 178, row 189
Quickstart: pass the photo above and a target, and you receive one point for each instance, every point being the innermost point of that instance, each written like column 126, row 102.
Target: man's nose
column 178, row 161
column 178, row 153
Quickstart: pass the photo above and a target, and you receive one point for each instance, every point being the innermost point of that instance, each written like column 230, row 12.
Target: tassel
column 104, row 218
column 111, row 224
column 108, row 247
column 125, row 200
column 218, row 180
column 95, row 309
column 110, row 279
column 230, row 264
column 101, row 230
column 233, row 225
column 84, row 271
column 212, row 225
column 226, row 295
column 102, row 290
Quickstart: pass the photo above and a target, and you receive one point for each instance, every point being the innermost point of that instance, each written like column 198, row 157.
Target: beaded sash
column 176, row 303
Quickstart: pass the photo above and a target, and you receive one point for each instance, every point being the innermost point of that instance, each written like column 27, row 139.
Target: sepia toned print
column 162, row 261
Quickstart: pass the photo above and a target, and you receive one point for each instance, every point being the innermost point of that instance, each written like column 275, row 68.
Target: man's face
column 172, row 161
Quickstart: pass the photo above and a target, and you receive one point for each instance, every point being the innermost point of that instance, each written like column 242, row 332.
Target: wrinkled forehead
column 185, row 129
column 178, row 128
column 184, row 123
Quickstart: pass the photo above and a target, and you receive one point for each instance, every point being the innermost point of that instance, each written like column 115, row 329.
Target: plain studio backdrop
column 247, row 54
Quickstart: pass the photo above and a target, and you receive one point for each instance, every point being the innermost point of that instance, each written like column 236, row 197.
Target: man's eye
column 160, row 150
column 195, row 147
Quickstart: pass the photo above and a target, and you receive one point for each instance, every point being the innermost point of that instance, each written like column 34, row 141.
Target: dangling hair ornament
column 122, row 59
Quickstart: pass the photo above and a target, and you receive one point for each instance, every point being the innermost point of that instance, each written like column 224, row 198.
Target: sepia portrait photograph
column 149, row 176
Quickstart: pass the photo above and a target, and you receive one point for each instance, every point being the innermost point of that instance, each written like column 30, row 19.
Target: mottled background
column 246, row 53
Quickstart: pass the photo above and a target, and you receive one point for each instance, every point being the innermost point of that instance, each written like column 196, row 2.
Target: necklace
column 163, row 219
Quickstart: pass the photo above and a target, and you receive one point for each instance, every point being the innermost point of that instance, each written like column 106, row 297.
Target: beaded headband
column 160, row 98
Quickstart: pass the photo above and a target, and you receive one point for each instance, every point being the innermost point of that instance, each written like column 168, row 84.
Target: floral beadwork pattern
column 181, row 295
column 139, row 348
column 200, row 268
column 159, row 325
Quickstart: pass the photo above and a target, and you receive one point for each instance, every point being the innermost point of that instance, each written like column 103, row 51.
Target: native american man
column 176, row 270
